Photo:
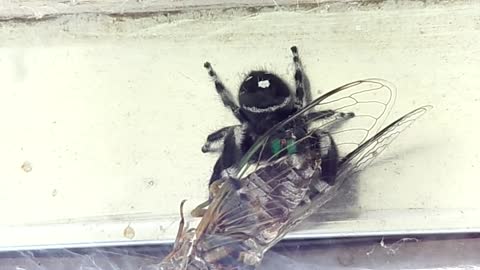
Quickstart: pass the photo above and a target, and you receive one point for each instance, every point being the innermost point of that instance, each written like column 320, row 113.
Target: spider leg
column 328, row 147
column 215, row 140
column 328, row 114
column 330, row 158
column 227, row 99
column 302, row 85
column 231, row 154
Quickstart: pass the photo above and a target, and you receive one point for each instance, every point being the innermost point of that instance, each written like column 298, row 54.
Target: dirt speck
column 129, row 232
column 150, row 183
column 27, row 166
column 54, row 193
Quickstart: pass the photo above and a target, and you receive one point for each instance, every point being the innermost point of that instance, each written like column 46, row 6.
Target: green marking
column 277, row 146
column 291, row 147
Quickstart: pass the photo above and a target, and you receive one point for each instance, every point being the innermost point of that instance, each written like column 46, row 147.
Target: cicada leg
column 214, row 188
column 200, row 210
column 181, row 225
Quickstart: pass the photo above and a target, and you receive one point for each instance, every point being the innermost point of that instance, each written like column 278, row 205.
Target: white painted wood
column 47, row 8
column 103, row 117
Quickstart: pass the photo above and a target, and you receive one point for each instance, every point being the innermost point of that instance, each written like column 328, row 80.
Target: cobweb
column 122, row 258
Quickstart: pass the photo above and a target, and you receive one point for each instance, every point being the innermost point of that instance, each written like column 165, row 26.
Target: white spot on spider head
column 264, row 84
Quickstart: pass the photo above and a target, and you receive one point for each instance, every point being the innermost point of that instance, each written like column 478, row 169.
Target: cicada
column 255, row 207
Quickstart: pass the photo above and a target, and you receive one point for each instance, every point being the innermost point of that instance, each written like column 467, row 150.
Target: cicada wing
column 370, row 101
column 364, row 145
column 368, row 151
column 358, row 160
column 246, row 217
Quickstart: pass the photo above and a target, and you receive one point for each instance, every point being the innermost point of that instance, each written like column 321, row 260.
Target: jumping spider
column 264, row 100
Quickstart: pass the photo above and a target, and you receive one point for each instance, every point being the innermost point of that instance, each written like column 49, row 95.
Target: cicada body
column 246, row 216
column 254, row 208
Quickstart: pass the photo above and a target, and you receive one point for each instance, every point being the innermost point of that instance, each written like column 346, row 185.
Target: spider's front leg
column 215, row 141
column 225, row 95
column 302, row 86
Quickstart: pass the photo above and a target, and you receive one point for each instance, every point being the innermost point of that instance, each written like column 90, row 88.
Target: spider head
column 262, row 93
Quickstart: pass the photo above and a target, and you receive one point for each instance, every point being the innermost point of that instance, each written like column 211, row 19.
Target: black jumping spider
column 264, row 100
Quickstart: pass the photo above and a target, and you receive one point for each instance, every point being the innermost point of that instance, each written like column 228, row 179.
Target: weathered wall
column 104, row 116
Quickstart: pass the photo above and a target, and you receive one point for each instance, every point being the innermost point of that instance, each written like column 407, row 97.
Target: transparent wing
column 370, row 100
column 253, row 211
column 358, row 160
column 362, row 156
